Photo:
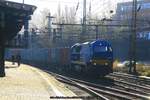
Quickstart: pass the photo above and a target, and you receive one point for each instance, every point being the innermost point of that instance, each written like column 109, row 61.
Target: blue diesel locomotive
column 92, row 57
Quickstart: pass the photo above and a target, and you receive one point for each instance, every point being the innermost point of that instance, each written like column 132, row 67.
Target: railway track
column 130, row 84
column 131, row 79
column 103, row 92
column 132, row 87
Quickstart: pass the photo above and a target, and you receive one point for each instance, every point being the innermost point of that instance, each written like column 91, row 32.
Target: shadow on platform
column 15, row 66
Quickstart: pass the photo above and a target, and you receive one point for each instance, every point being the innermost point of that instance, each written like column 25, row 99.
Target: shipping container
column 65, row 56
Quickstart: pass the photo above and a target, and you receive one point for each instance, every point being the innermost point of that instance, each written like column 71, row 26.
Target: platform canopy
column 12, row 17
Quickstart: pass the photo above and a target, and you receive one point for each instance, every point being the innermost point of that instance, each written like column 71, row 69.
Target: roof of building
column 12, row 17
column 19, row 6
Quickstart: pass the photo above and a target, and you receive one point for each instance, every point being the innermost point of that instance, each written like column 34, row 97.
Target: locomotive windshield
column 76, row 49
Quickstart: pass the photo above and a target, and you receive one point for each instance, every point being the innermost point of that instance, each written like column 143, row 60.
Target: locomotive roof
column 96, row 42
column 86, row 43
column 75, row 45
column 104, row 42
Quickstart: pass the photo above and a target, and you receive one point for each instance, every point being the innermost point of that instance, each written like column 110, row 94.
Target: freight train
column 89, row 57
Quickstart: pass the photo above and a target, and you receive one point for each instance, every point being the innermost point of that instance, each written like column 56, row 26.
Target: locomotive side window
column 76, row 49
column 73, row 50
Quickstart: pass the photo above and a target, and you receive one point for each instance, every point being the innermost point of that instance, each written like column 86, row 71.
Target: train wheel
column 78, row 68
column 111, row 68
column 83, row 69
column 71, row 67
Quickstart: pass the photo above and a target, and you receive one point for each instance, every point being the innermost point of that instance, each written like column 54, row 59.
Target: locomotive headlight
column 106, row 64
column 94, row 64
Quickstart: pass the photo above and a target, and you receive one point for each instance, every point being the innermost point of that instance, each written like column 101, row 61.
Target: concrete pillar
column 26, row 33
column 2, row 47
column 2, row 61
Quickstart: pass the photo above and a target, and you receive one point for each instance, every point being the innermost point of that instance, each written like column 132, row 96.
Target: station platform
column 29, row 83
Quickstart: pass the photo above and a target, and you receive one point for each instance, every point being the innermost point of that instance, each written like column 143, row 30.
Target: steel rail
column 71, row 82
column 121, row 94
column 133, row 77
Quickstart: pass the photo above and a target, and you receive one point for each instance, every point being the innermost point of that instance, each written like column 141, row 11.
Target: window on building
column 145, row 5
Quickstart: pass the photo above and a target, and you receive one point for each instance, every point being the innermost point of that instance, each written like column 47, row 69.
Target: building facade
column 124, row 15
column 124, row 10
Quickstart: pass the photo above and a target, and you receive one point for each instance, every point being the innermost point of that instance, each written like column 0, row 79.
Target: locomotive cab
column 102, row 56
